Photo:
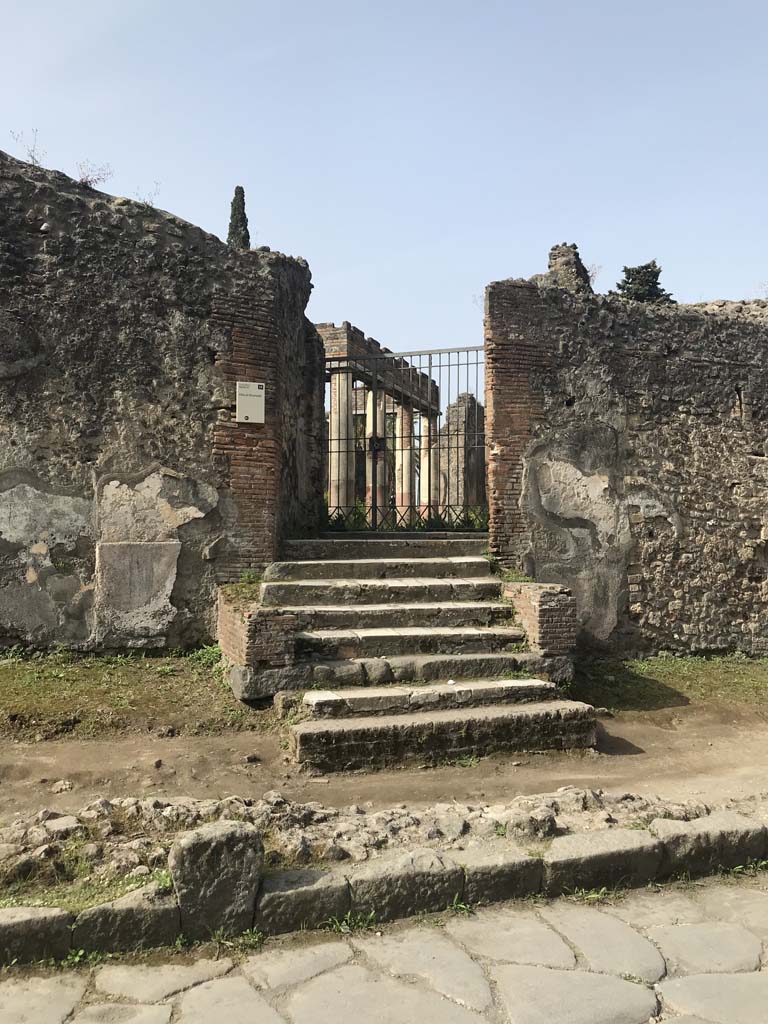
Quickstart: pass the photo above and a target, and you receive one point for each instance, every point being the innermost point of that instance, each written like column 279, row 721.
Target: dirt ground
column 712, row 751
column 169, row 726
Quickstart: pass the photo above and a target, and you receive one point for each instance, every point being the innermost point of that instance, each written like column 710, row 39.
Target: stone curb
column 422, row 880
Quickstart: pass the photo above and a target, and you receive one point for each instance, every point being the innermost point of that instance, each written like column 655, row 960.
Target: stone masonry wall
column 629, row 460
column 127, row 489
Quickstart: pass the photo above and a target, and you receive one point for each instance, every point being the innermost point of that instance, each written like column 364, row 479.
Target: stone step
column 384, row 546
column 464, row 567
column 396, row 700
column 408, row 668
column 366, row 591
column 432, row 737
column 383, row 642
column 400, row 616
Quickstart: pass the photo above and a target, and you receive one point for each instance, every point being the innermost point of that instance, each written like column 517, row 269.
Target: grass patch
column 66, row 694
column 73, row 894
column 243, row 594
column 665, row 682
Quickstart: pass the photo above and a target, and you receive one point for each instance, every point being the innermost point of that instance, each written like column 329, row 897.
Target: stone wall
column 127, row 489
column 629, row 458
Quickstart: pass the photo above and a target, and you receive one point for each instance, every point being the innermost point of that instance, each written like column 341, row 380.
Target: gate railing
column 406, row 441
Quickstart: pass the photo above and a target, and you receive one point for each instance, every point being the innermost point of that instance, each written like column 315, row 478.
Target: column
column 375, row 459
column 341, row 446
column 429, row 468
column 404, row 476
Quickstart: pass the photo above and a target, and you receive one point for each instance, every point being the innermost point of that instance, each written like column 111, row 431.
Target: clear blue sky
column 415, row 151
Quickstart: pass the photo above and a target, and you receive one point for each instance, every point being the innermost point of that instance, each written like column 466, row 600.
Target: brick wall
column 547, row 613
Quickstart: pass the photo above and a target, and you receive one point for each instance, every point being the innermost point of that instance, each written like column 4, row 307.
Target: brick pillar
column 249, row 454
column 520, row 334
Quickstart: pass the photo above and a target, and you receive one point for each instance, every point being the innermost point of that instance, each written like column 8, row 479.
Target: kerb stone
column 304, row 898
column 34, row 933
column 216, row 871
column 722, row 839
column 422, row 880
column 491, row 876
column 591, row 860
column 140, row 920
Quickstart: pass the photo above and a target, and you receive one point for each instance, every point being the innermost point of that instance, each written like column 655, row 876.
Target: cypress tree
column 238, row 236
column 642, row 284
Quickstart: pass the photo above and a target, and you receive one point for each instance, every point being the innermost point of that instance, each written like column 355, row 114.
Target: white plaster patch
column 31, row 517
column 153, row 509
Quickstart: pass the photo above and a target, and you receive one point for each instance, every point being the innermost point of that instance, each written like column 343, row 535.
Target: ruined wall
column 629, row 460
column 127, row 489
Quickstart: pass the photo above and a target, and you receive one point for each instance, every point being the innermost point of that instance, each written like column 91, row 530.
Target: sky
column 412, row 152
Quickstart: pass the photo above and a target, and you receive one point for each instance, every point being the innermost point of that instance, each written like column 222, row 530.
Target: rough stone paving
column 129, row 837
column 693, row 954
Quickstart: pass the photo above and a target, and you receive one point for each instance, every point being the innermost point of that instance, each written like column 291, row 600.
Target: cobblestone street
column 688, row 953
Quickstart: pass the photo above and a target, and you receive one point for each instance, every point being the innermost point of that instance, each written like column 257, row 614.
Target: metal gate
column 406, row 440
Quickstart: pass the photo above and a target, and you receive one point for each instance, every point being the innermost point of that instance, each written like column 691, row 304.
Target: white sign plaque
column 250, row 402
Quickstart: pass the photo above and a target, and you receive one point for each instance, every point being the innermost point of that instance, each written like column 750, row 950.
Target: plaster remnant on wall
column 32, row 517
column 154, row 508
column 134, row 582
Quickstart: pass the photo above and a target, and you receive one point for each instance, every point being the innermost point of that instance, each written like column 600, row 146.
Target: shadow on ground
column 616, row 685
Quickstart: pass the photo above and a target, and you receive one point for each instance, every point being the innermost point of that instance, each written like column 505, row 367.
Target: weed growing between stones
column 351, row 922
column 594, row 896
column 250, row 940
column 460, row 908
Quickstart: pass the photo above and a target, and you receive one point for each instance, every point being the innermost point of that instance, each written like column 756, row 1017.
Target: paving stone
column 434, row 959
column 277, row 968
column 152, row 984
column 608, row 945
column 719, row 998
column 405, row 884
column 511, row 936
column 748, row 907
column 538, row 995
column 652, row 909
column 708, row 948
column 216, row 871
column 304, row 898
column 498, row 874
column 608, row 857
column 28, row 934
column 140, row 920
column 40, row 1000
column 699, row 847
column 353, row 993
column 229, row 1000
column 114, row 1013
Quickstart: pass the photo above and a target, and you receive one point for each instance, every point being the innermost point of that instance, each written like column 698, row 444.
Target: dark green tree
column 238, row 236
column 642, row 284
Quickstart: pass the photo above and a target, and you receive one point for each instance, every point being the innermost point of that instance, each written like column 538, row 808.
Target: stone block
column 421, row 880
column 305, row 898
column 140, row 920
column 496, row 874
column 216, row 871
column 722, row 839
column 28, row 934
column 609, row 857
column 134, row 582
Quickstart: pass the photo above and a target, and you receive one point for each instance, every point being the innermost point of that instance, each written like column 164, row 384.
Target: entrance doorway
column 406, row 440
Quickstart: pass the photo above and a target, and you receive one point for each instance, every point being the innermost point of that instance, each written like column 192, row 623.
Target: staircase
column 412, row 655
